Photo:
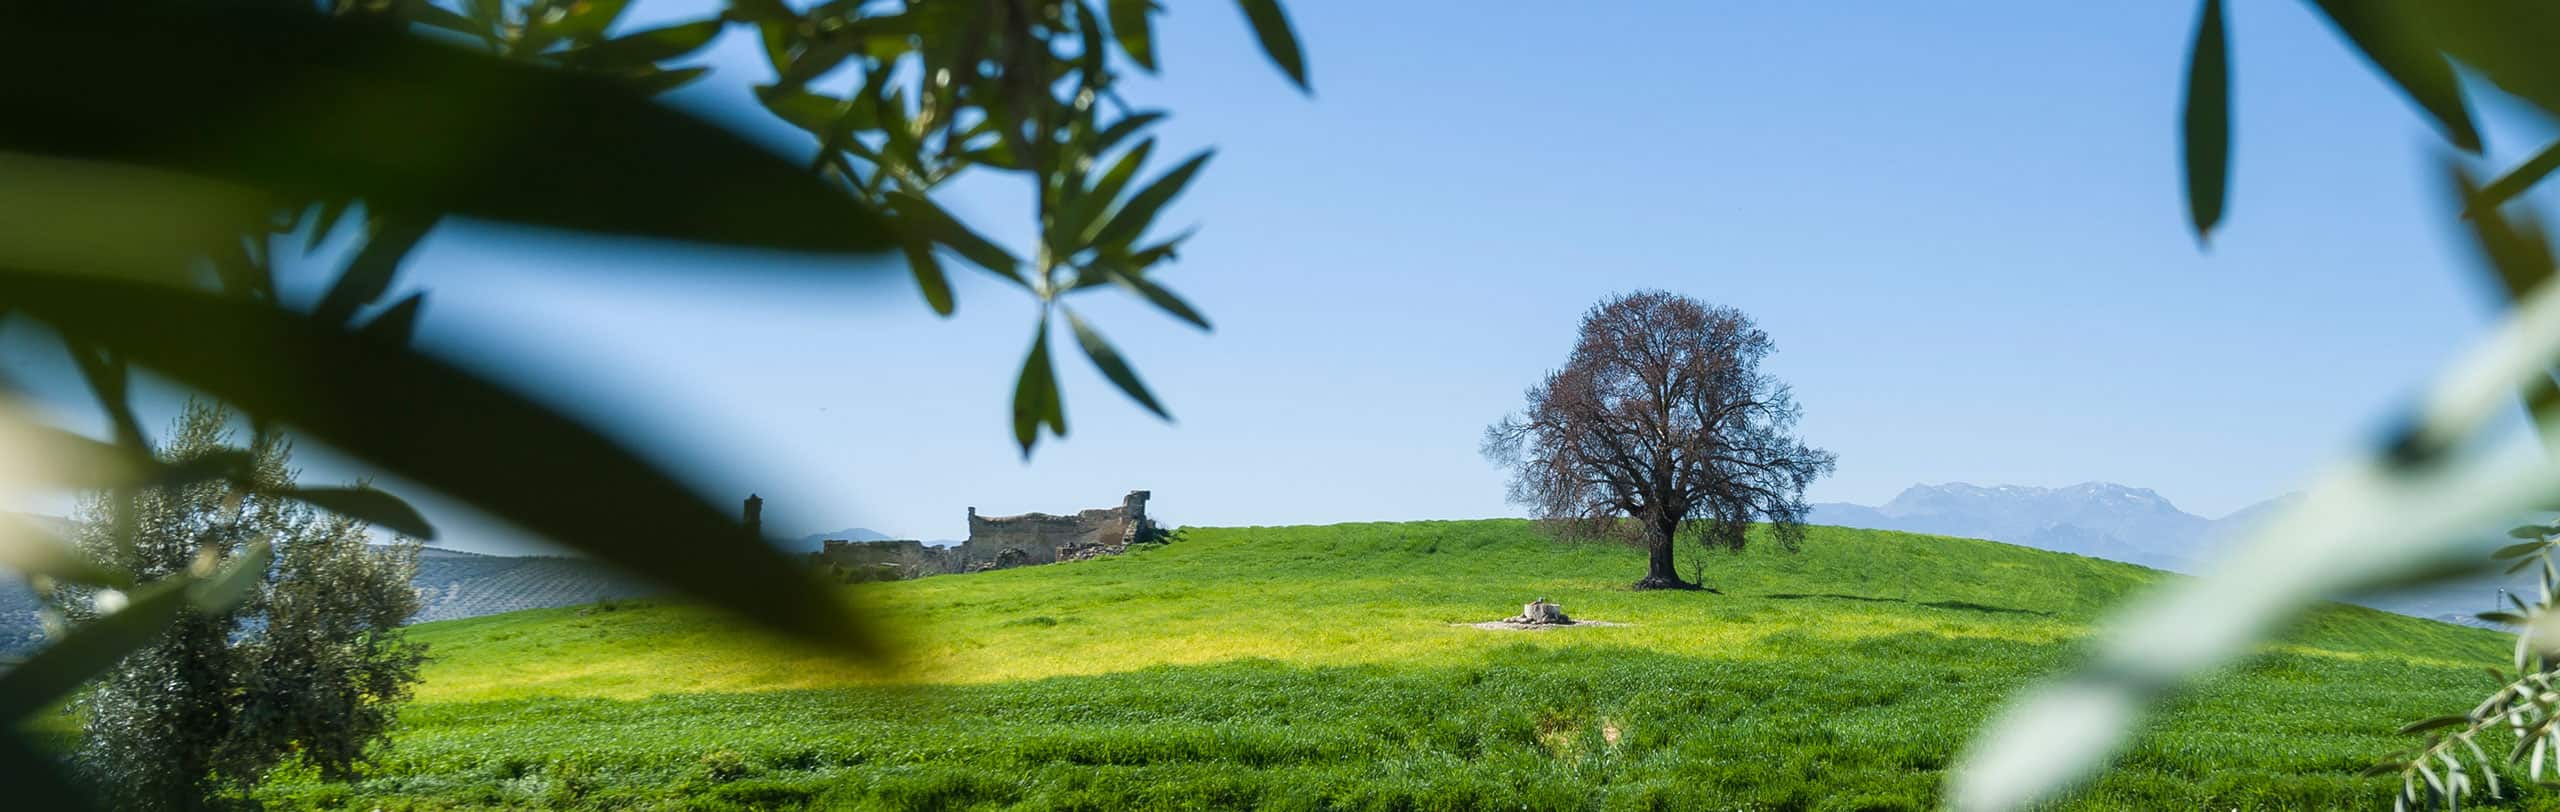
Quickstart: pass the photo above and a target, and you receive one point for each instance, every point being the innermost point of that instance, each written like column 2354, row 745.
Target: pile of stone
column 1540, row 613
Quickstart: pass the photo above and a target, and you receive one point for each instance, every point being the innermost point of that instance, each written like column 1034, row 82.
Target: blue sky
column 1961, row 224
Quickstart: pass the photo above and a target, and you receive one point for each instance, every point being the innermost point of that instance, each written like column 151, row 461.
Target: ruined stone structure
column 1046, row 539
column 883, row 560
column 999, row 542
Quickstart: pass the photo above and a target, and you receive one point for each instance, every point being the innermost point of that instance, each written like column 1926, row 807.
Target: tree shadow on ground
column 1965, row 606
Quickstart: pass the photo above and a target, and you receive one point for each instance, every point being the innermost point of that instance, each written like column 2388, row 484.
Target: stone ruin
column 998, row 542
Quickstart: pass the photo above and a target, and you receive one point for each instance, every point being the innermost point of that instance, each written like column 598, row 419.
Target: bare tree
column 1663, row 416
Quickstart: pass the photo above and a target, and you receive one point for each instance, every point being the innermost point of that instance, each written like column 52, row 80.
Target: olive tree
column 309, row 662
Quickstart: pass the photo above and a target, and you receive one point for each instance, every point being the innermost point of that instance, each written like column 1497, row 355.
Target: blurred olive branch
column 147, row 236
column 2526, row 704
column 2403, row 512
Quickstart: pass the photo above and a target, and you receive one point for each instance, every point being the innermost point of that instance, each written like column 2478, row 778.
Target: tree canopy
column 1662, row 415
column 308, row 663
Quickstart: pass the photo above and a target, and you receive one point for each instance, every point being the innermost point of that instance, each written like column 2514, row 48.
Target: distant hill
column 2120, row 523
column 2100, row 519
column 454, row 584
column 812, row 542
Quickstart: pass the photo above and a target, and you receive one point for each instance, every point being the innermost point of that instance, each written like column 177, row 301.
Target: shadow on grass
column 1964, row 606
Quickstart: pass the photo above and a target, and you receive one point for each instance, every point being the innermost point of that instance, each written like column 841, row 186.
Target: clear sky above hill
column 1962, row 224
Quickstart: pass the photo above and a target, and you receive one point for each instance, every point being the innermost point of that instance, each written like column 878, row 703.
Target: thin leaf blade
column 2507, row 187
column 930, row 280
column 1133, row 217
column 926, row 218
column 1115, row 368
column 1035, row 394
column 368, row 276
column 1129, row 25
column 2412, row 64
column 1163, row 299
column 2207, row 118
column 1271, row 27
column 274, row 97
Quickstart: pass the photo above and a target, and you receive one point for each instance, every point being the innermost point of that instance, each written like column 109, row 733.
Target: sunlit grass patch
column 1319, row 667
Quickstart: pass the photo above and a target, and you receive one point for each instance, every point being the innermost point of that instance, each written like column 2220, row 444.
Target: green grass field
column 1323, row 667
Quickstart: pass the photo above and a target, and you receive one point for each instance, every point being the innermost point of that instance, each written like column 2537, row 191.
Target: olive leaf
column 313, row 107
column 2208, row 121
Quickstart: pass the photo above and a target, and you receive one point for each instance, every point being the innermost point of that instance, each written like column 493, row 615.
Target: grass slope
column 1319, row 667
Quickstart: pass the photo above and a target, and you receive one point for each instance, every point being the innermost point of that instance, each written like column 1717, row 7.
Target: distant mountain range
column 2098, row 519
column 2118, row 522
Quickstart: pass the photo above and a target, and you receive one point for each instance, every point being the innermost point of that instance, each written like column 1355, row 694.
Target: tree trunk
column 1659, row 572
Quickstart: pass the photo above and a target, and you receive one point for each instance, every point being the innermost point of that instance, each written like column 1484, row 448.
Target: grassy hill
column 1325, row 667
column 456, row 585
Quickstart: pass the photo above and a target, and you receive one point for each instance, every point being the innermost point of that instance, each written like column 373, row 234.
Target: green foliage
column 294, row 117
column 946, row 87
column 2403, row 512
column 310, row 108
column 331, row 666
column 2523, row 712
column 310, row 664
column 1841, row 676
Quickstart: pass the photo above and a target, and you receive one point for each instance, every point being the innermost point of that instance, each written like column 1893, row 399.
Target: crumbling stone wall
column 885, row 560
column 998, row 542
